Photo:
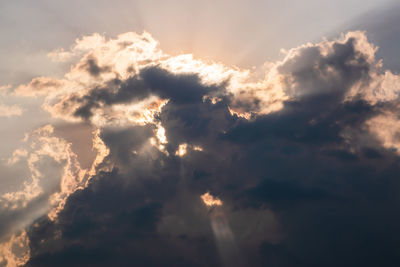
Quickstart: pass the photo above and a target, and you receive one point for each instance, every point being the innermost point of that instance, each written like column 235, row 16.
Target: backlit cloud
column 209, row 200
column 304, row 158
column 15, row 252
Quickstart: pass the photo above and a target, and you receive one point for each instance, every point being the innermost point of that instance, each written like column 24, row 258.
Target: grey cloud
column 150, row 81
column 91, row 65
column 315, row 73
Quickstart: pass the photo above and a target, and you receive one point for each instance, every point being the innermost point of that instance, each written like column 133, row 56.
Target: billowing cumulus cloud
column 127, row 71
column 52, row 173
column 200, row 164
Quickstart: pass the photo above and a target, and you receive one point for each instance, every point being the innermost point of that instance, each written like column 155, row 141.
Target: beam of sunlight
column 224, row 237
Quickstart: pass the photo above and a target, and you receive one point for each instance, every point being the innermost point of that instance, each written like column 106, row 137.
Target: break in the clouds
column 199, row 164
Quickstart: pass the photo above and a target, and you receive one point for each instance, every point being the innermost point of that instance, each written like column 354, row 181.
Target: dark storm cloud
column 150, row 81
column 312, row 166
column 129, row 210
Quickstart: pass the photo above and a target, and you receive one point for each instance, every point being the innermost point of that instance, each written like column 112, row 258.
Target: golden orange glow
column 182, row 149
column 197, row 148
column 160, row 133
column 15, row 252
column 102, row 152
column 126, row 56
column 245, row 115
column 160, row 139
column 210, row 200
column 75, row 177
column 41, row 144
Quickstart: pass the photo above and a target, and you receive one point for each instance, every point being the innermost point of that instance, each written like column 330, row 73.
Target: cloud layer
column 299, row 166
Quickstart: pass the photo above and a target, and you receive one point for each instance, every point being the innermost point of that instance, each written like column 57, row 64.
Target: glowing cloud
column 178, row 102
column 15, row 252
column 210, row 200
column 104, row 63
column 181, row 150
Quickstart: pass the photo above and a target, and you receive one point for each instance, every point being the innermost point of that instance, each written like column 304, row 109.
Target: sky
column 187, row 133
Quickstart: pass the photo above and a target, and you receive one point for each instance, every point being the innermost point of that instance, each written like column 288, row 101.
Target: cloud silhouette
column 304, row 161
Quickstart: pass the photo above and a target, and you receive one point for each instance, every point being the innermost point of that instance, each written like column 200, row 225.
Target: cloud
column 38, row 86
column 81, row 45
column 54, row 173
column 10, row 111
column 209, row 200
column 304, row 159
column 4, row 89
column 15, row 252
column 109, row 69
column 386, row 127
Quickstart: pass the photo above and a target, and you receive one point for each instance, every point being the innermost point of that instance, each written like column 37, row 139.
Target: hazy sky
column 275, row 144
column 245, row 33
